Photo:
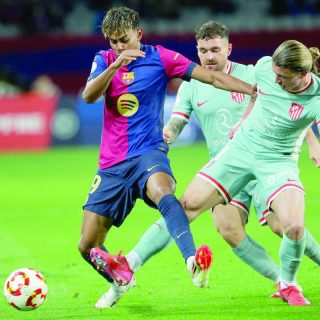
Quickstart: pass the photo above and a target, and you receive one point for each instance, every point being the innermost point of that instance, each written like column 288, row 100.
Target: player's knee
column 294, row 230
column 228, row 225
column 159, row 185
column 192, row 207
column 158, row 194
column 227, row 228
column 191, row 203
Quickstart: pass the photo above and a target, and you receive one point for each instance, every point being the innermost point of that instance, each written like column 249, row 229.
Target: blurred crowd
column 25, row 17
column 12, row 84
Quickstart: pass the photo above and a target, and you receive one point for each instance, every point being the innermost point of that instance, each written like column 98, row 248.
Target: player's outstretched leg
column 199, row 266
column 115, row 265
column 113, row 295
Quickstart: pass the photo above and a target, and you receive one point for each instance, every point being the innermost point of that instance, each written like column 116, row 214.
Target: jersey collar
column 305, row 88
column 229, row 67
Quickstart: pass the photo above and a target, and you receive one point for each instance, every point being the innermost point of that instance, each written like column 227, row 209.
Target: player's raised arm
column 97, row 86
column 172, row 130
column 314, row 147
column 221, row 80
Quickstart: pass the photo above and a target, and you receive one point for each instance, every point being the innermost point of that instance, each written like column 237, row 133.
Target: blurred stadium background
column 46, row 50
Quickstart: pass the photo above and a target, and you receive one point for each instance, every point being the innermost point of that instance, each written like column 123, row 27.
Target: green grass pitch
column 40, row 218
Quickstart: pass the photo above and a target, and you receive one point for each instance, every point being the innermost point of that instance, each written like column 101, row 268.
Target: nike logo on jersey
column 181, row 234
column 200, row 104
column 261, row 92
column 149, row 169
column 291, row 180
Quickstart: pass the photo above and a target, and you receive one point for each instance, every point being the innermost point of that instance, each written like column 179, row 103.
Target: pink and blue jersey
column 133, row 104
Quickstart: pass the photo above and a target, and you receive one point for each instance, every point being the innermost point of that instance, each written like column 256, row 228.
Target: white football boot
column 113, row 295
column 200, row 278
column 199, row 266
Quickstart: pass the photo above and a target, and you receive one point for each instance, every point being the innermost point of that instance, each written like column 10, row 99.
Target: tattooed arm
column 172, row 130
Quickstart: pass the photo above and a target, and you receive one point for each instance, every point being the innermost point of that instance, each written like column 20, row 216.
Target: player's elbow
column 88, row 98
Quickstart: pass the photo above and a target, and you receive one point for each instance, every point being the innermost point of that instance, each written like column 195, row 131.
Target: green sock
column 312, row 249
column 154, row 240
column 291, row 252
column 257, row 258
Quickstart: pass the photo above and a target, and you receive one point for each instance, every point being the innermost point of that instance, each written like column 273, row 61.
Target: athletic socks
column 258, row 258
column 312, row 249
column 86, row 257
column 177, row 224
column 134, row 260
column 291, row 252
column 154, row 240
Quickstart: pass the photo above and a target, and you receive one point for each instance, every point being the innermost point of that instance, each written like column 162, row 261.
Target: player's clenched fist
column 167, row 135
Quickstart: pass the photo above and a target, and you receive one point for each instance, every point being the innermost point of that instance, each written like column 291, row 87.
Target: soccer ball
column 25, row 289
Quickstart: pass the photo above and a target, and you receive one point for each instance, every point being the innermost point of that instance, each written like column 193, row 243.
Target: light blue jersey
column 216, row 110
column 279, row 119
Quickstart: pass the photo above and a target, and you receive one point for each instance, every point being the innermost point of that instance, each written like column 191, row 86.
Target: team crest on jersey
column 237, row 97
column 128, row 77
column 295, row 111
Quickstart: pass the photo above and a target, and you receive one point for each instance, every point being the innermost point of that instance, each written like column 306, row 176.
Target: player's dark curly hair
column 119, row 20
column 212, row 29
column 295, row 56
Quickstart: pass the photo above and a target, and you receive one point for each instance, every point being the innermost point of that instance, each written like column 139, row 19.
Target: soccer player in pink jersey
column 133, row 161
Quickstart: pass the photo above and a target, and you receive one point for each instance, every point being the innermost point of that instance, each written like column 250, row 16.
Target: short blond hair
column 118, row 20
column 295, row 56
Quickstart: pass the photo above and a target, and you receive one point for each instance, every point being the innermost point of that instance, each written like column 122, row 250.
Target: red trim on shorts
column 263, row 220
column 181, row 115
column 285, row 186
column 241, row 205
column 218, row 185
